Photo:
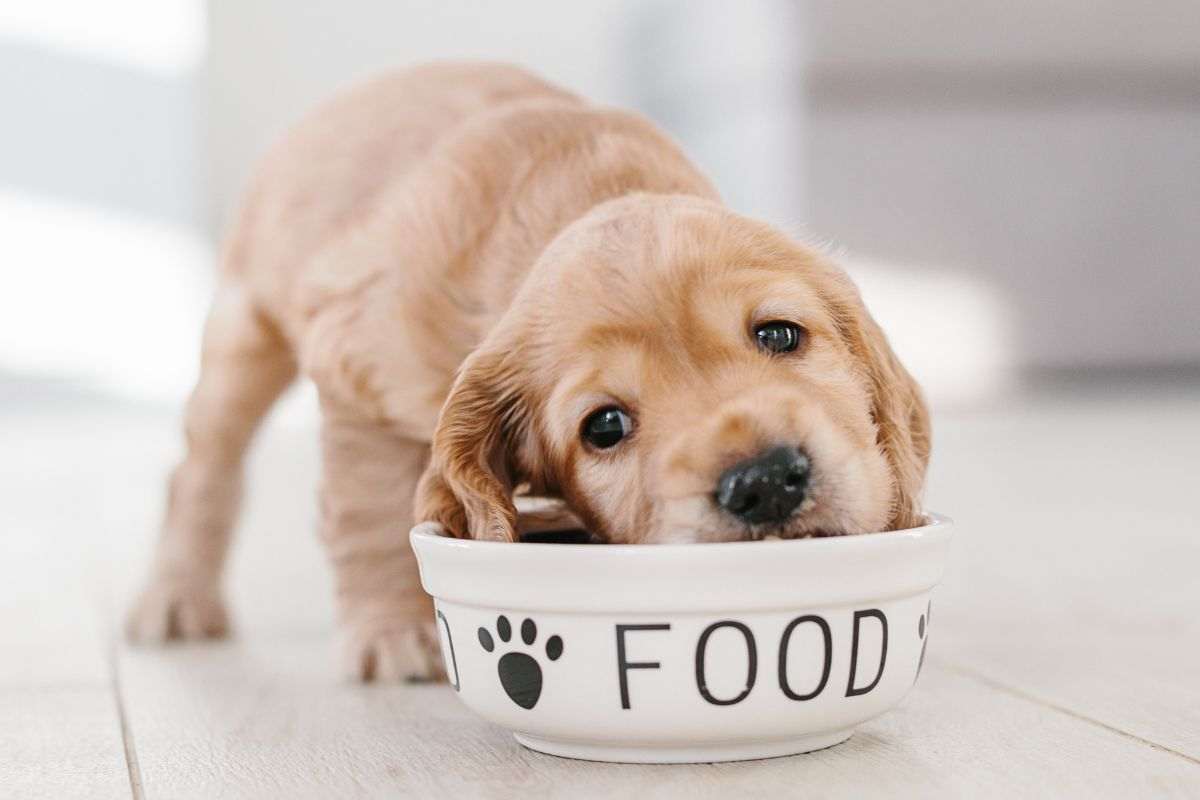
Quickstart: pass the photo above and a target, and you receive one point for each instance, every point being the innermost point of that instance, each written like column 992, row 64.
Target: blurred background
column 1016, row 185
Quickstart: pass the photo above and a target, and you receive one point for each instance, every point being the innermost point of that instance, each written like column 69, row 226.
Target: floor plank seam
column 973, row 674
column 131, row 757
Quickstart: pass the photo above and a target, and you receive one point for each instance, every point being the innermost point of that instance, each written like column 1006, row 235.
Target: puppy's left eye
column 778, row 336
column 604, row 428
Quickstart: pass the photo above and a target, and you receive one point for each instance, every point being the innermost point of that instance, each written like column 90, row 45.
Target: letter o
column 751, row 669
column 783, row 651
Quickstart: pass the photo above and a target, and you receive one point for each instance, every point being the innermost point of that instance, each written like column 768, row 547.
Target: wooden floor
column 1065, row 655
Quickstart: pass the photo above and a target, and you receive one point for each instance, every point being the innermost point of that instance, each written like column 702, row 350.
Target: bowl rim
column 684, row 578
column 936, row 525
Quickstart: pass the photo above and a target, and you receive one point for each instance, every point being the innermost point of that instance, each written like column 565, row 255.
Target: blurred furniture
column 1053, row 149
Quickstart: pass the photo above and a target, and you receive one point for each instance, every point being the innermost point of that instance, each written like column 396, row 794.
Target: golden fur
column 464, row 255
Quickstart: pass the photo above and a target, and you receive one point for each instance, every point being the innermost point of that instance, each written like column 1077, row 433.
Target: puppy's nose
column 766, row 488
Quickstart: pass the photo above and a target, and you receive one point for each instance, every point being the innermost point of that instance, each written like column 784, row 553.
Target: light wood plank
column 61, row 743
column 53, row 594
column 60, row 732
column 1075, row 575
column 269, row 719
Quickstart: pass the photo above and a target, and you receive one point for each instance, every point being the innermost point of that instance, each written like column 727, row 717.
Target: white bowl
column 683, row 653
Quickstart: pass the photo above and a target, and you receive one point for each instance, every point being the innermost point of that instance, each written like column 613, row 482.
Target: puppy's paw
column 170, row 610
column 393, row 652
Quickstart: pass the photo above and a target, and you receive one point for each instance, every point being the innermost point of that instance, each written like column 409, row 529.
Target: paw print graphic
column 520, row 673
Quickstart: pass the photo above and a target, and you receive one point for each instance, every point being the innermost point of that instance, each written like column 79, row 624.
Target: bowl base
column 696, row 754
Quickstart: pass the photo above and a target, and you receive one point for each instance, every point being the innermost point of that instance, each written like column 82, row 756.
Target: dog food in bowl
column 688, row 652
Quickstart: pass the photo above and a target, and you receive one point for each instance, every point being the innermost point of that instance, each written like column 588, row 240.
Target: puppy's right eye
column 604, row 428
column 778, row 336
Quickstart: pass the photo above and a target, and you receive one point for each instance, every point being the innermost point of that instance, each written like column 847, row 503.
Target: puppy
column 496, row 288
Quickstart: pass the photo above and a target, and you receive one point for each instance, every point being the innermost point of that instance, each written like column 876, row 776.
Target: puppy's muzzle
column 767, row 488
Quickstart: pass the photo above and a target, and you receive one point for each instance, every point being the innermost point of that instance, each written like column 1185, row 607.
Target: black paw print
column 520, row 673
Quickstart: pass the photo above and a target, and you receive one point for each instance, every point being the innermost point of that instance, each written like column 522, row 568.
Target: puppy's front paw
column 393, row 652
column 170, row 610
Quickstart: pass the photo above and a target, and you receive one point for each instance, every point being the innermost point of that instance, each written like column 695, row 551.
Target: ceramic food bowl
column 683, row 653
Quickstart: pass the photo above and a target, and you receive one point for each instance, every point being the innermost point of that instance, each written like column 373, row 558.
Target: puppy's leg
column 245, row 365
column 366, row 507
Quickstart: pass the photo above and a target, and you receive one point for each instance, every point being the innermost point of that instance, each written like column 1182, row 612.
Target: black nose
column 766, row 488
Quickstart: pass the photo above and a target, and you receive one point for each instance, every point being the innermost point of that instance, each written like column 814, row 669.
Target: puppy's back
column 328, row 172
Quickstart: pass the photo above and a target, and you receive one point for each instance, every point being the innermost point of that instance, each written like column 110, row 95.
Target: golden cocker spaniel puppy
column 499, row 287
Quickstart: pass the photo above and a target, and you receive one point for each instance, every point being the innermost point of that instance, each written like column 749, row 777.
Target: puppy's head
column 680, row 373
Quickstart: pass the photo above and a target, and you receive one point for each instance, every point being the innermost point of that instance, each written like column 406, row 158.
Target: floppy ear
column 469, row 482
column 897, row 405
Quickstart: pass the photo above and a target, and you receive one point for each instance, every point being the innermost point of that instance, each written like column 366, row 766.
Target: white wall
column 105, row 271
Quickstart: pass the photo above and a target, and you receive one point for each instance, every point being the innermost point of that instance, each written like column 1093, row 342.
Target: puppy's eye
column 778, row 336
column 604, row 428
